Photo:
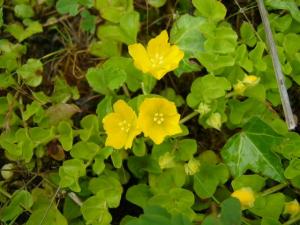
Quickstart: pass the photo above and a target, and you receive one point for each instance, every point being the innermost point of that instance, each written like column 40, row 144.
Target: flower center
column 157, row 60
column 124, row 126
column 158, row 118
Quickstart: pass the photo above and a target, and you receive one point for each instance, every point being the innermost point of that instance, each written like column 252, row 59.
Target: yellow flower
column 292, row 208
column 158, row 118
column 120, row 126
column 246, row 197
column 159, row 58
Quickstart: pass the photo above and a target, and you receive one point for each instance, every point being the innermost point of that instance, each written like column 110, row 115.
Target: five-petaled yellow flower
column 158, row 118
column 160, row 57
column 120, row 126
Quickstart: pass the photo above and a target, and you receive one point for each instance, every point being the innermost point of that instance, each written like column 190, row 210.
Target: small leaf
column 231, row 213
column 105, row 79
column 208, row 178
column 110, row 187
column 186, row 34
column 251, row 149
column 211, row 9
column 31, row 72
column 70, row 172
column 207, row 88
column 65, row 135
column 269, row 206
column 139, row 194
column 157, row 3
column 94, row 211
column 67, row 6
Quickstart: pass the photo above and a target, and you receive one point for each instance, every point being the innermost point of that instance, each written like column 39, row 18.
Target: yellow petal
column 171, row 125
column 116, row 139
column 125, row 111
column 140, row 57
column 158, row 45
column 173, row 58
column 158, row 73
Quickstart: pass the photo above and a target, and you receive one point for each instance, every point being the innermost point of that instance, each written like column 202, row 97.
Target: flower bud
column 214, row 121
column 239, row 88
column 192, row 167
column 246, row 197
column 166, row 161
column 7, row 171
column 203, row 108
column 292, row 208
column 251, row 80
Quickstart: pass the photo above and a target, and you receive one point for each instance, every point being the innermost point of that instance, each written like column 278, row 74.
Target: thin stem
column 288, row 113
column 188, row 117
column 274, row 189
column 125, row 89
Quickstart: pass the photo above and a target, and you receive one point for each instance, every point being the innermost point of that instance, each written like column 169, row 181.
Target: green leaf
column 207, row 88
column 231, row 213
column 291, row 6
column 67, row 7
column 186, row 148
column 105, row 48
column 208, row 178
column 94, row 211
column 251, row 149
column 139, row 195
column 156, row 215
column 247, row 34
column 105, row 79
column 20, row 201
column 126, row 32
column 116, row 158
column 269, row 206
column 293, row 170
column 134, row 77
column 18, row 31
column 23, row 11
column 157, row 3
column 139, row 147
column 139, row 166
column 88, row 22
column 71, row 209
column 170, row 178
column 90, row 125
column 211, row 220
column 177, row 200
column 270, row 221
column 70, row 172
column 59, row 112
column 213, row 62
column 53, row 216
column 65, row 135
column 255, row 182
column 289, row 146
column 186, row 34
column 219, row 40
column 31, row 72
column 104, row 107
column 84, row 150
column 63, row 92
column 109, row 188
column 114, row 10
column 211, row 9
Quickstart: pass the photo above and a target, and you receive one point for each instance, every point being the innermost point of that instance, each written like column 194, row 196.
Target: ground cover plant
column 147, row 112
